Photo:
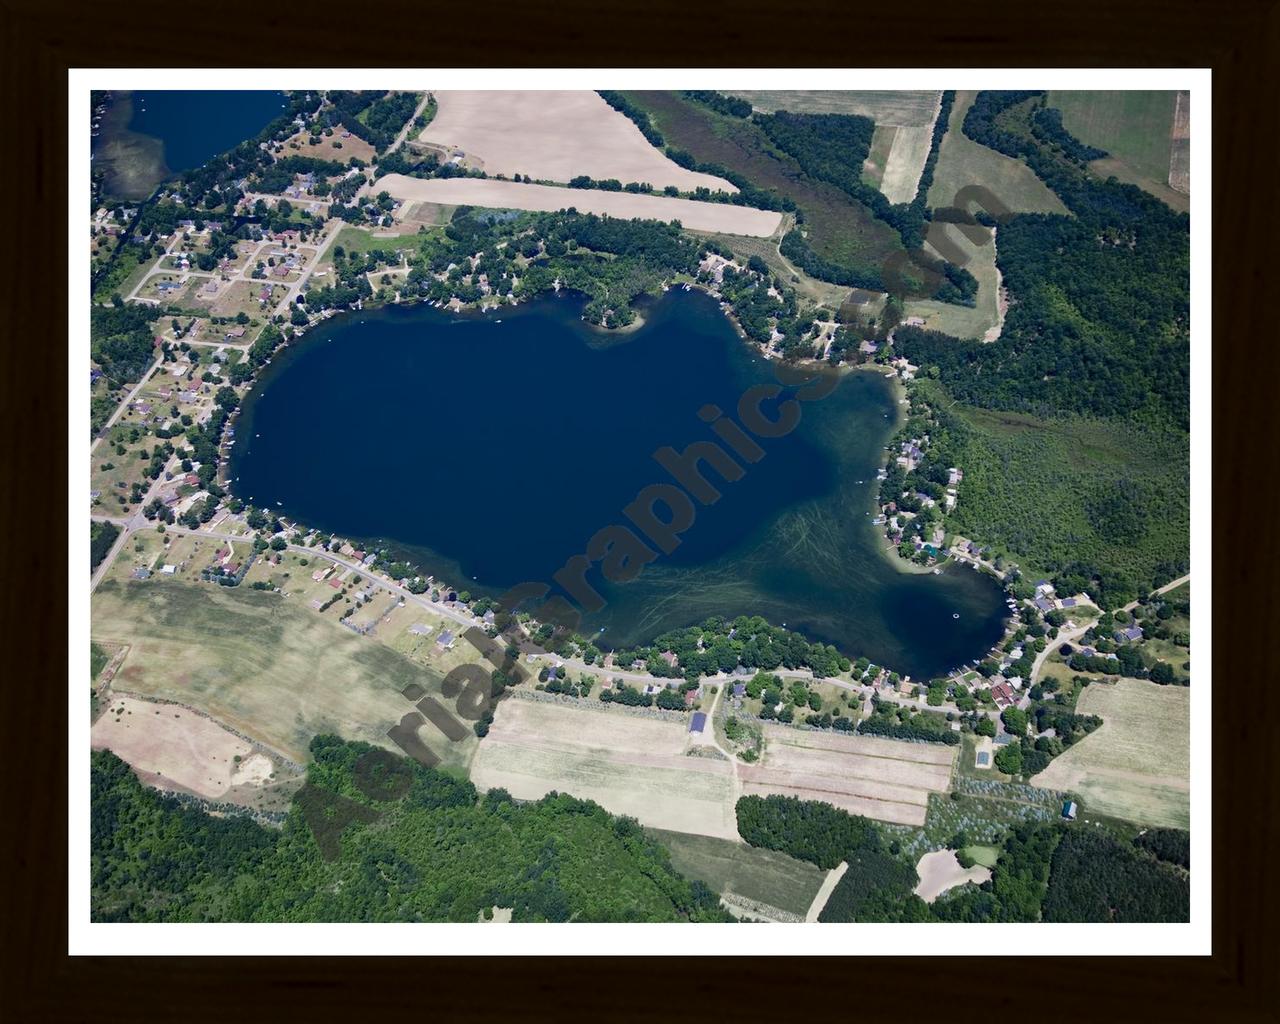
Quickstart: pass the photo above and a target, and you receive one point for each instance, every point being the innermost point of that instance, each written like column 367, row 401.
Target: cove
column 489, row 449
column 196, row 125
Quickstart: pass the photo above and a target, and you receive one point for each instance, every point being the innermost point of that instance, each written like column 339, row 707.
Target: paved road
column 1079, row 631
column 408, row 125
column 124, row 404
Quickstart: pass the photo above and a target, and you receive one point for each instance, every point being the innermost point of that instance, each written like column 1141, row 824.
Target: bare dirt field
column 1137, row 765
column 879, row 778
column 171, row 747
column 627, row 763
column 487, row 192
column 553, row 136
column 906, row 163
column 902, row 107
column 940, row 871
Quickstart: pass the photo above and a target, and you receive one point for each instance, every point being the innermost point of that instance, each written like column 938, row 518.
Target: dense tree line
column 120, row 340
column 1097, row 877
column 1099, row 322
column 384, row 114
column 876, row 887
column 279, row 175
column 721, row 645
column 1046, row 125
column 891, row 720
column 409, row 844
column 101, row 537
column 730, row 106
column 640, row 118
column 1171, row 845
column 809, row 830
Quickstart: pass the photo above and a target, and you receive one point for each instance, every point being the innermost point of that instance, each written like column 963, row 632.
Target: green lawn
column 962, row 162
column 1134, row 127
column 764, row 876
column 984, row 855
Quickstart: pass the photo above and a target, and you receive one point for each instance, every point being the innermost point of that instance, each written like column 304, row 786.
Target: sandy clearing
column 172, row 747
column 488, row 192
column 906, row 163
column 553, row 135
column 940, row 871
column 828, row 887
column 1180, row 145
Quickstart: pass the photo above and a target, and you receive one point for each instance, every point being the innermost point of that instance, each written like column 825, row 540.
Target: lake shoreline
column 819, row 622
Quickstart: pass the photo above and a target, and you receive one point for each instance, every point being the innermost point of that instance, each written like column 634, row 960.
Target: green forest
column 1072, row 428
column 1049, row 872
column 377, row 837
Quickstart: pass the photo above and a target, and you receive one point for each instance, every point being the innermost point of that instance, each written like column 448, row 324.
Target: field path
column 828, row 887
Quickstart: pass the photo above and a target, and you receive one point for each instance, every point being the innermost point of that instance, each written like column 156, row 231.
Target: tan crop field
column 879, row 778
column 906, row 163
column 266, row 665
column 627, row 763
column 510, row 195
column 1180, row 154
column 172, row 747
column 906, row 108
column 553, row 135
column 1137, row 765
column 962, row 162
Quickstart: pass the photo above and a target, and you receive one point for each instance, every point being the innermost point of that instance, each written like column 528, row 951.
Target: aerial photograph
column 642, row 505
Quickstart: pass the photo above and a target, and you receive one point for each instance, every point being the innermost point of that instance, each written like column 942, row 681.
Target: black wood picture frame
column 1238, row 39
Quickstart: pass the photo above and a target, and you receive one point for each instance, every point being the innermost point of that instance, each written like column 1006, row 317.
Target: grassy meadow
column 764, row 876
column 1135, row 128
column 266, row 665
column 1136, row 766
column 1030, row 485
column 962, row 162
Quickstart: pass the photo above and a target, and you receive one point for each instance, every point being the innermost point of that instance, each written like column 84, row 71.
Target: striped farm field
column 511, row 195
column 889, row 780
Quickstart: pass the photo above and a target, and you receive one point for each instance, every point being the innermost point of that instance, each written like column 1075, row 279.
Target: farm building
column 698, row 722
column 1069, row 810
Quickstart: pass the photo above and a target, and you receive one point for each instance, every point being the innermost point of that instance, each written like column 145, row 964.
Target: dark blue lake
column 494, row 447
column 195, row 125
